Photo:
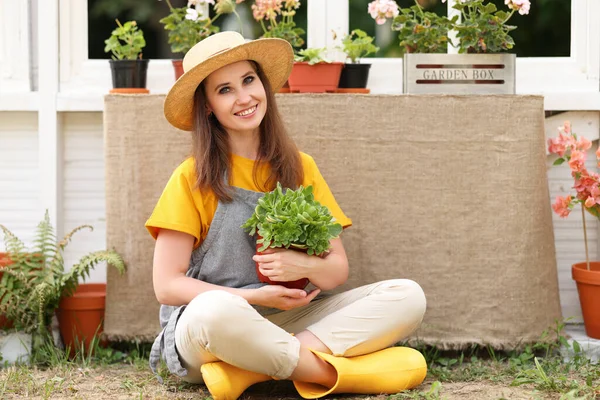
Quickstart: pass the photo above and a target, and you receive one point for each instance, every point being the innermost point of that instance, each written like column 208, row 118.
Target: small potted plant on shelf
column 277, row 21
column 572, row 149
column 128, row 69
column 292, row 219
column 354, row 76
column 35, row 288
column 313, row 73
column 189, row 25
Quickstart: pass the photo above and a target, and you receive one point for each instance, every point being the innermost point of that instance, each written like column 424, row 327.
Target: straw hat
column 275, row 56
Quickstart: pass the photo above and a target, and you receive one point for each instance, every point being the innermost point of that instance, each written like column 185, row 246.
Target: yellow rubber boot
column 387, row 371
column 226, row 382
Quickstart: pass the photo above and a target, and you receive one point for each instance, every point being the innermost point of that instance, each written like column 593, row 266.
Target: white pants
column 217, row 325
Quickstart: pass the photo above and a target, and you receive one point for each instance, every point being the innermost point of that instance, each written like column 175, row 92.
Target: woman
column 220, row 325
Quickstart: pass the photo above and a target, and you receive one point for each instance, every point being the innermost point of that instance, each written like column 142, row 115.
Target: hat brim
column 275, row 56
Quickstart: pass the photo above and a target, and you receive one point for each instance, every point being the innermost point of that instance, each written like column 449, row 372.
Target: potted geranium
column 128, row 69
column 277, row 21
column 189, row 25
column 35, row 287
column 355, row 75
column 291, row 219
column 572, row 150
column 314, row 73
column 420, row 31
column 483, row 39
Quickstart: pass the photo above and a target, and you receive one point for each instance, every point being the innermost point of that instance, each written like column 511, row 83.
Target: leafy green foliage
column 287, row 31
column 280, row 22
column 311, row 55
column 422, row 31
column 125, row 42
column 483, row 29
column 33, row 284
column 357, row 45
column 292, row 219
column 185, row 33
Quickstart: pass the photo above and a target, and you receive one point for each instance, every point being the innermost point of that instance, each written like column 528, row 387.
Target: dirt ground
column 129, row 382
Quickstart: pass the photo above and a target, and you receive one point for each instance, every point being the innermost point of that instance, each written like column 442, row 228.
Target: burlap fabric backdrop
column 449, row 191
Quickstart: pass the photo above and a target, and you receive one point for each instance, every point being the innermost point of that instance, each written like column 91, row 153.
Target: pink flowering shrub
column 276, row 18
column 572, row 150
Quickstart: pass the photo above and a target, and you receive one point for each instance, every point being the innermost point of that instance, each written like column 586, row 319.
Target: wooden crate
column 459, row 73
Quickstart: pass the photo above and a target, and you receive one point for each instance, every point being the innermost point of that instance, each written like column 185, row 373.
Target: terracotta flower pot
column 588, row 287
column 178, row 68
column 81, row 316
column 299, row 284
column 5, row 323
column 317, row 78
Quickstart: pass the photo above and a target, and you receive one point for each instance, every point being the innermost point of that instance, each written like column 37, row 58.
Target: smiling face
column 237, row 97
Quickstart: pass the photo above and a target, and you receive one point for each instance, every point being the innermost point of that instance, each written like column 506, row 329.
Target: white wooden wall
column 51, row 146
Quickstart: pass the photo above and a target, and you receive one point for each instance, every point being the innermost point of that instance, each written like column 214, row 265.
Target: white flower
column 519, row 5
column 192, row 14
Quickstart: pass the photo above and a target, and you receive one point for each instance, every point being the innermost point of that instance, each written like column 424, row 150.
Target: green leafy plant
column 292, row 219
column 125, row 42
column 188, row 25
column 357, row 45
column 279, row 20
column 483, row 28
column 421, row 31
column 33, row 284
column 311, row 55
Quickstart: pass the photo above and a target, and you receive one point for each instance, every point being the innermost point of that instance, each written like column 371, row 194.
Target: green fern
column 33, row 284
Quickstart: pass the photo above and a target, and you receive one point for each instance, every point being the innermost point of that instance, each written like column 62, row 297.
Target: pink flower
column 586, row 184
column 589, row 202
column 522, row 6
column 583, row 144
column 266, row 9
column 380, row 10
column 556, row 146
column 566, row 127
column 561, row 206
column 577, row 161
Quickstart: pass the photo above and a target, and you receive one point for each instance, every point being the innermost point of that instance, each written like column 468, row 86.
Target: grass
column 121, row 372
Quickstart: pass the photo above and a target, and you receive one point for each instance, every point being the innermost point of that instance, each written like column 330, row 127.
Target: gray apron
column 224, row 258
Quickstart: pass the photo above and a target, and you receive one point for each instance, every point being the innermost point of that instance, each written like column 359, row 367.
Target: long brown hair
column 211, row 149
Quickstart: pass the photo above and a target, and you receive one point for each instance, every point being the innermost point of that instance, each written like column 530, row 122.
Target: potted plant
column 292, row 219
column 188, row 26
column 277, row 21
column 127, row 67
column 483, row 39
column 354, row 76
column 572, row 150
column 313, row 73
column 5, row 260
column 420, row 31
column 35, row 288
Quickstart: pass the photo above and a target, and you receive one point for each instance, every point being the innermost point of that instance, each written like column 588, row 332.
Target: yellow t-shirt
column 185, row 208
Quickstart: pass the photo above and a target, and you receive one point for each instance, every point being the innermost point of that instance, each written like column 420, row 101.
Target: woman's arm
column 172, row 254
column 325, row 273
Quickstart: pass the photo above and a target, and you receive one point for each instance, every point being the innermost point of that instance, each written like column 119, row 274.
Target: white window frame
column 568, row 83
column 15, row 57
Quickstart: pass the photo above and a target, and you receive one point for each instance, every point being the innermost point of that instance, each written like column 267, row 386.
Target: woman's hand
column 283, row 265
column 276, row 296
